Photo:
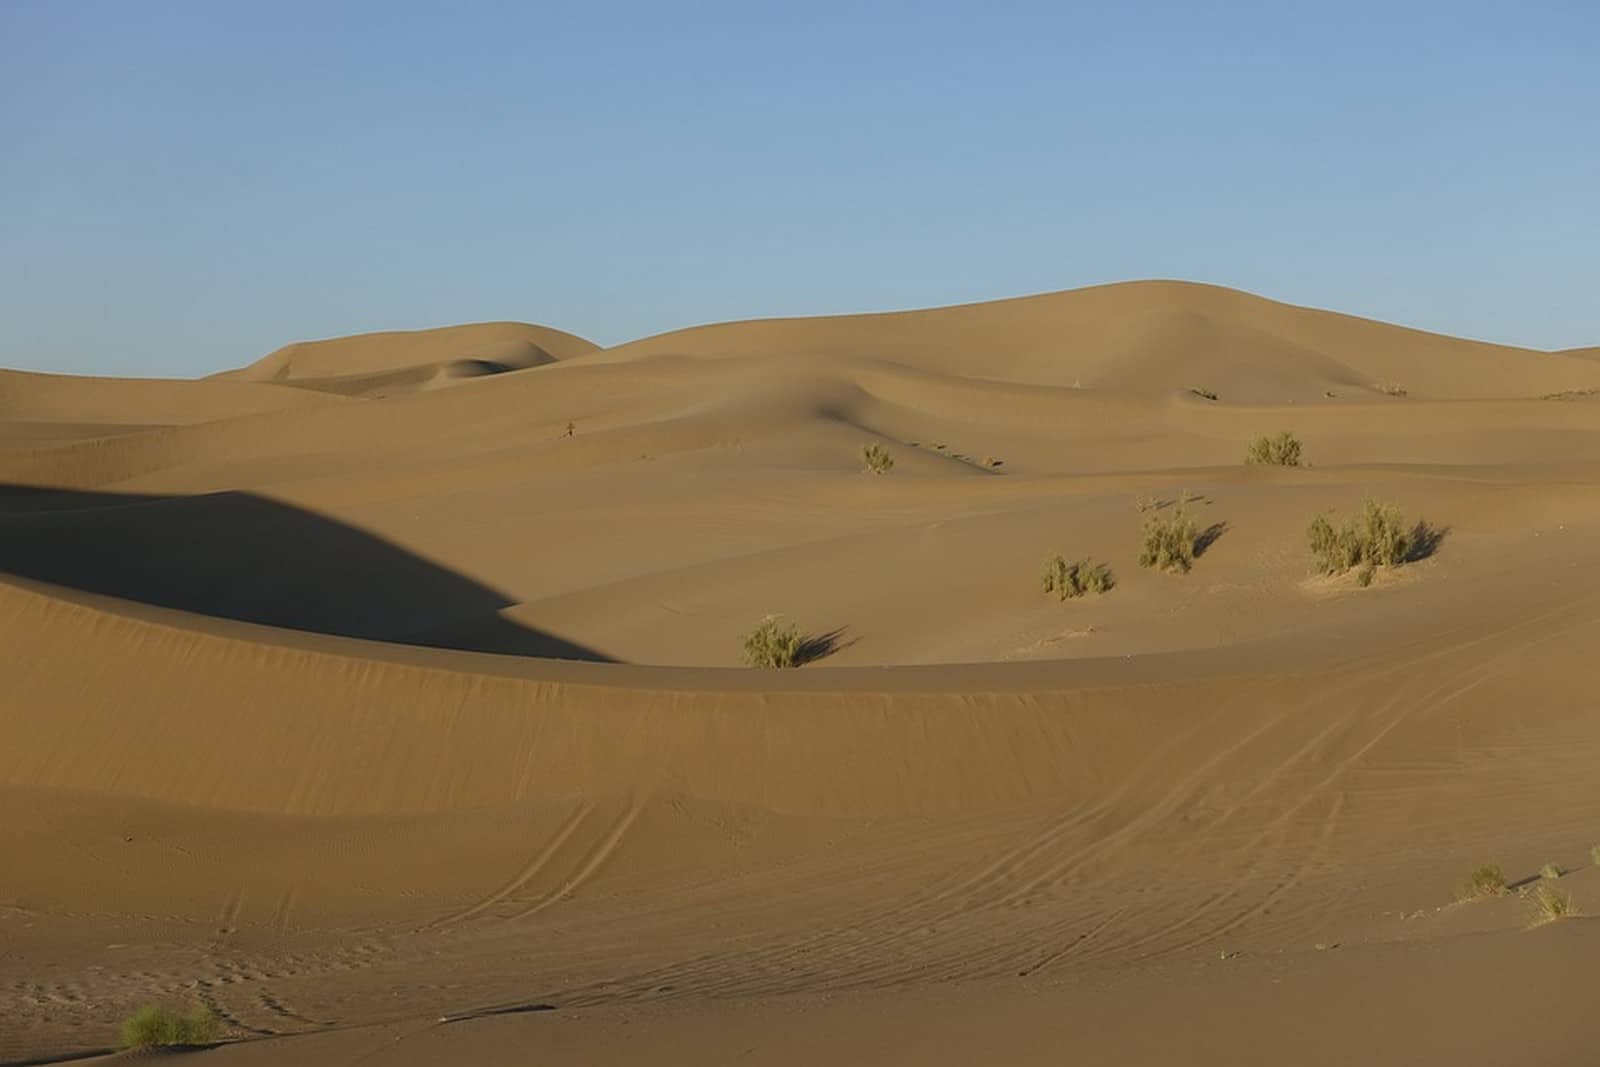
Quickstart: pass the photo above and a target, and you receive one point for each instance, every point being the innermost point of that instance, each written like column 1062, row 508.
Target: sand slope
column 343, row 704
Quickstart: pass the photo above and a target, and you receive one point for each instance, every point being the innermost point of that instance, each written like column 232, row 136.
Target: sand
column 384, row 696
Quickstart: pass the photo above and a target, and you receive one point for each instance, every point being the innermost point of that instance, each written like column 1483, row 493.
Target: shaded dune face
column 392, row 678
column 235, row 555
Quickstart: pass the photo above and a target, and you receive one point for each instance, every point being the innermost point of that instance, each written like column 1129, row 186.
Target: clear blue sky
column 189, row 185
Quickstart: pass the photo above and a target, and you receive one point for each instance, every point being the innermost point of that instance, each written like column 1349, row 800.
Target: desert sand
column 384, row 696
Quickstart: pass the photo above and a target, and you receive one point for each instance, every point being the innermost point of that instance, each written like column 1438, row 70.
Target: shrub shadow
column 1425, row 540
column 820, row 646
column 1208, row 537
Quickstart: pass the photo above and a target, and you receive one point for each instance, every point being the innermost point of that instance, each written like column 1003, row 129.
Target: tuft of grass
column 156, row 1027
column 1594, row 855
column 1169, row 541
column 1487, row 881
column 1550, row 904
column 1551, row 871
column 1279, row 450
column 1376, row 538
column 877, row 459
column 1075, row 579
column 1204, row 394
column 773, row 643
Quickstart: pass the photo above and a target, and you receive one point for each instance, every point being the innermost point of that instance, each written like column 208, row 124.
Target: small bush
column 1377, row 538
column 1551, row 871
column 1594, row 855
column 1486, row 881
column 1550, row 904
column 153, row 1027
column 1075, row 579
column 1390, row 389
column 1169, row 541
column 1279, row 450
column 774, row 643
column 1204, row 394
column 877, row 459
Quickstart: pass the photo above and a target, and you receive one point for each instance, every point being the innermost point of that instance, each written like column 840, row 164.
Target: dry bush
column 1169, row 541
column 1075, row 579
column 877, row 459
column 1487, row 881
column 1376, row 538
column 1551, row 871
column 154, row 1027
column 1279, row 450
column 773, row 643
column 1550, row 904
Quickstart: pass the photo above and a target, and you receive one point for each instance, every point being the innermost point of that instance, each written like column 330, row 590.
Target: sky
column 187, row 186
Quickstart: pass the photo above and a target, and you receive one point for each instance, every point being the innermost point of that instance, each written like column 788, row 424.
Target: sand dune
column 394, row 722
column 1151, row 336
column 380, row 364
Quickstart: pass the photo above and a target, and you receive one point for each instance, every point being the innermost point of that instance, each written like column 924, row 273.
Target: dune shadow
column 820, row 646
column 1424, row 540
column 235, row 555
column 1208, row 537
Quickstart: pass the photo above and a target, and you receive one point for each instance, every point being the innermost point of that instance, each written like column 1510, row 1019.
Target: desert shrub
column 1390, row 388
column 1550, row 904
column 1594, row 855
column 773, row 643
column 1551, row 871
column 877, row 459
column 1203, row 394
column 1169, row 541
column 152, row 1027
column 1375, row 538
column 1279, row 450
column 1075, row 579
column 1486, row 881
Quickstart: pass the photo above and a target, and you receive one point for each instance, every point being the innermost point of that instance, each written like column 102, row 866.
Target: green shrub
column 774, row 643
column 1170, row 541
column 1551, row 871
column 1075, row 579
column 1550, row 904
column 877, row 459
column 1375, row 538
column 1279, row 450
column 152, row 1027
column 1486, row 881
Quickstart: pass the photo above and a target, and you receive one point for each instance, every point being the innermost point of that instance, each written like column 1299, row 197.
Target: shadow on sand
column 235, row 555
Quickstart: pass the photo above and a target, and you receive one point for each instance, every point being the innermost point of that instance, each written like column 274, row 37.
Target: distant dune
column 386, row 363
column 397, row 721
